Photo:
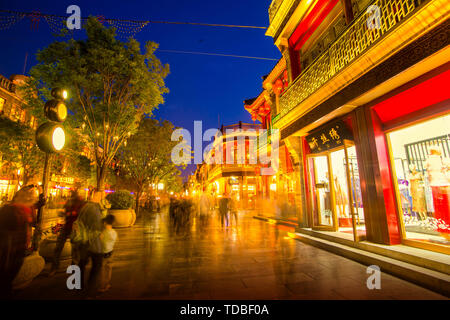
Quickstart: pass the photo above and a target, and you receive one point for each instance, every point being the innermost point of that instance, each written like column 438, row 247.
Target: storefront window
column 421, row 157
column 337, row 202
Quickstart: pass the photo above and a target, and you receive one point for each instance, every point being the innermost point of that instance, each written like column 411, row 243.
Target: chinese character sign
column 328, row 137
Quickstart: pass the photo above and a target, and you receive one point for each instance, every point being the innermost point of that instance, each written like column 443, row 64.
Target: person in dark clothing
column 16, row 221
column 71, row 210
column 224, row 207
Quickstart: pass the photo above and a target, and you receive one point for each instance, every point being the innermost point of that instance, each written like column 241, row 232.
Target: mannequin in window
column 440, row 188
column 341, row 198
column 417, row 190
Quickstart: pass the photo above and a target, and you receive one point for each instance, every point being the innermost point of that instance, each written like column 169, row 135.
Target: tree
column 146, row 160
column 19, row 150
column 112, row 86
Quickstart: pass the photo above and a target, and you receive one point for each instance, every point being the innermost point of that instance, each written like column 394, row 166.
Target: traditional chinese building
column 12, row 107
column 361, row 101
column 284, row 185
column 234, row 174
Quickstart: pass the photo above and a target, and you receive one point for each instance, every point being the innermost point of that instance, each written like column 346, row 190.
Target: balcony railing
column 354, row 41
column 7, row 84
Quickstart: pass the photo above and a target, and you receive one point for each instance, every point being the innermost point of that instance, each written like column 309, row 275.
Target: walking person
column 71, row 210
column 16, row 221
column 204, row 207
column 232, row 209
column 224, row 209
column 108, row 238
column 86, row 237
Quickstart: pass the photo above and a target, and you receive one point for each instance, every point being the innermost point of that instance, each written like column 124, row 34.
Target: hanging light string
column 124, row 26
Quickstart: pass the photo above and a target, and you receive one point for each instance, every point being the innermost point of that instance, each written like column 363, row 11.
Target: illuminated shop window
column 2, row 104
column 421, row 156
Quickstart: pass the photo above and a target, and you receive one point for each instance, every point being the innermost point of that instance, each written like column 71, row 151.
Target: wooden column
column 348, row 10
column 294, row 146
column 379, row 210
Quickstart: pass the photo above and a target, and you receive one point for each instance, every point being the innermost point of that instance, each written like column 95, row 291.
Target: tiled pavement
column 254, row 260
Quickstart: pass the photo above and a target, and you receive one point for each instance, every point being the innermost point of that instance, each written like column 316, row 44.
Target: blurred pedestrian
column 224, row 203
column 86, row 237
column 204, row 207
column 71, row 211
column 16, row 221
column 232, row 210
column 108, row 238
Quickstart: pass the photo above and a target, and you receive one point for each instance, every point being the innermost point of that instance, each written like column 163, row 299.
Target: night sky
column 201, row 87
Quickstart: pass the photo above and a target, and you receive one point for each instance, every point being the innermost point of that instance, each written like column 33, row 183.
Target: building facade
column 12, row 107
column 234, row 174
column 361, row 101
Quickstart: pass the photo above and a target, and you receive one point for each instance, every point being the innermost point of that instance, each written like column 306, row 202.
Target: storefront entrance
column 336, row 203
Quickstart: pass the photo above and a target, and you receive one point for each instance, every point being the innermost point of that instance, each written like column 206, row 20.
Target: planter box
column 124, row 218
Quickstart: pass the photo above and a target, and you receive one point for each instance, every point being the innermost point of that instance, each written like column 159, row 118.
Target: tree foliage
column 19, row 150
column 146, row 160
column 111, row 84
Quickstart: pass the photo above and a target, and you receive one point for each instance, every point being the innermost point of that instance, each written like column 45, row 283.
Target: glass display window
column 420, row 155
column 335, row 191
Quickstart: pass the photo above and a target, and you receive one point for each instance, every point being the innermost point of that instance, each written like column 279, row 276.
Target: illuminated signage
column 61, row 179
column 328, row 137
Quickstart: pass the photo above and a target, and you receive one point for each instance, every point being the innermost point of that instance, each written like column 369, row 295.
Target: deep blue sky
column 201, row 87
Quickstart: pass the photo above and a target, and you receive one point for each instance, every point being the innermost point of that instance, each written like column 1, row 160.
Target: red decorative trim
column 309, row 24
column 386, row 180
column 305, row 29
column 429, row 92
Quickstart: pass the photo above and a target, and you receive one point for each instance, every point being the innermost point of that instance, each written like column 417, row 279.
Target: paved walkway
column 255, row 260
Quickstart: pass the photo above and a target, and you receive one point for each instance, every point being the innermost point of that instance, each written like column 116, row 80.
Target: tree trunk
column 138, row 195
column 101, row 175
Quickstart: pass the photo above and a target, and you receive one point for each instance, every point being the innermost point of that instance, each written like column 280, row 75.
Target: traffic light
column 50, row 136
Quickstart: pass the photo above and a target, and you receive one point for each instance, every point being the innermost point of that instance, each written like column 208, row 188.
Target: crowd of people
column 87, row 226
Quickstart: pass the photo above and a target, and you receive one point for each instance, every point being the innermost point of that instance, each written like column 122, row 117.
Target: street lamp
column 50, row 138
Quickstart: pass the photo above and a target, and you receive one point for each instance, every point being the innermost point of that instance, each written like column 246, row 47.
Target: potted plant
column 122, row 208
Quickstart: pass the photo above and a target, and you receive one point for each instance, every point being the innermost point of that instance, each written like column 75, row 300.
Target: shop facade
column 365, row 117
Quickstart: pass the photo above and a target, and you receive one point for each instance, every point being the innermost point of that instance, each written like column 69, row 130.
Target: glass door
column 335, row 198
column 322, row 194
column 354, row 184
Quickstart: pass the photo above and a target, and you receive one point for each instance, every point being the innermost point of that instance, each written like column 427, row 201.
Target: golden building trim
column 333, row 71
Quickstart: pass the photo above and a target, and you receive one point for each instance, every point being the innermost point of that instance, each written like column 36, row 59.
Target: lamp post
column 50, row 138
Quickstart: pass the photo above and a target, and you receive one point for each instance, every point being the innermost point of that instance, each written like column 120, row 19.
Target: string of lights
column 124, row 27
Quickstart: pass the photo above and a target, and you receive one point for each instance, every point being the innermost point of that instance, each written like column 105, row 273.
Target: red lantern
column 266, row 107
column 254, row 117
column 278, row 87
